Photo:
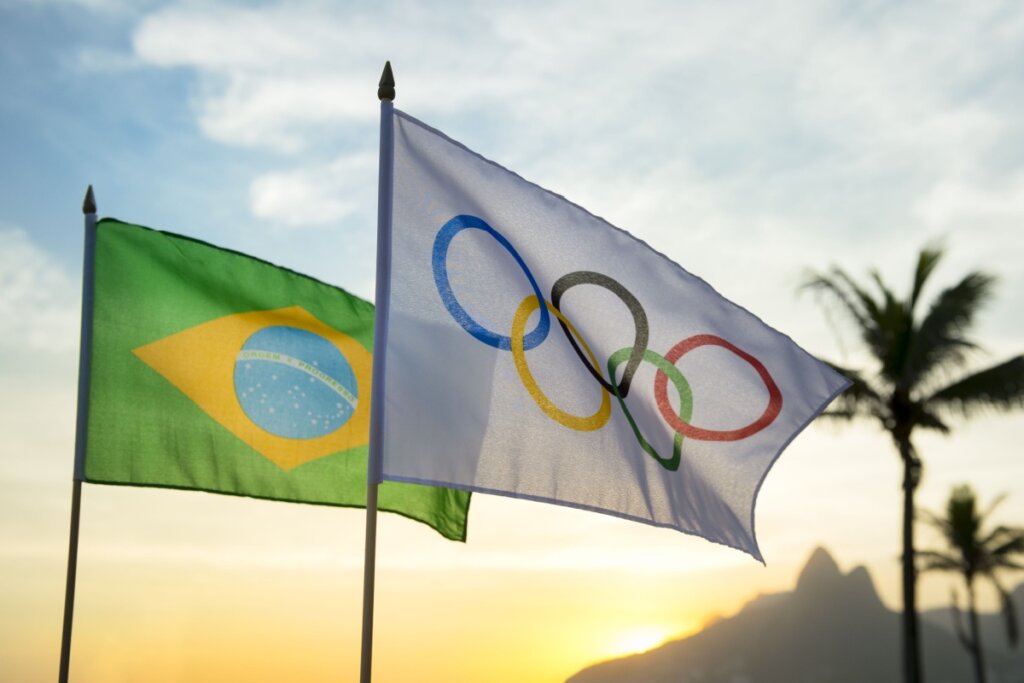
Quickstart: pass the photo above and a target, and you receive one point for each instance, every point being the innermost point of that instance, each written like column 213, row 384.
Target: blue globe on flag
column 294, row 383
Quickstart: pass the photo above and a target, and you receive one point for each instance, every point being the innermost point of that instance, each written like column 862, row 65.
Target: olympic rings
column 586, row 277
column 519, row 342
column 685, row 403
column 771, row 411
column 582, row 424
column 444, row 287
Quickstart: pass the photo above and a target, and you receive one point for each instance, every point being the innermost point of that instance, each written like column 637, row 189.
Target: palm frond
column 996, row 502
column 853, row 301
column 867, row 302
column 889, row 299
column 973, row 553
column 839, row 415
column 927, row 419
column 860, row 388
column 956, row 307
column 939, row 523
column 1009, row 542
column 832, row 286
column 893, row 329
column 934, row 560
column 927, row 260
column 1000, row 534
column 940, row 340
column 861, row 399
column 999, row 387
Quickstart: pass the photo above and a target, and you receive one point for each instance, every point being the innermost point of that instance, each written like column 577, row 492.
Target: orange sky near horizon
column 179, row 586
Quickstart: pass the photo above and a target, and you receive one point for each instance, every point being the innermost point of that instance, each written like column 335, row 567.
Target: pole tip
column 89, row 204
column 386, row 91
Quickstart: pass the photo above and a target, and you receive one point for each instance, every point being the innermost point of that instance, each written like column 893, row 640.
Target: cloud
column 949, row 203
column 318, row 195
column 38, row 298
column 746, row 91
column 261, row 112
column 278, row 77
column 735, row 139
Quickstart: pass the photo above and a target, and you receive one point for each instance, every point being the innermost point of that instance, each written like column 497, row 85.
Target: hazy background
column 747, row 141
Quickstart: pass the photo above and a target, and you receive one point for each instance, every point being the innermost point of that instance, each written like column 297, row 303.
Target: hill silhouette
column 831, row 627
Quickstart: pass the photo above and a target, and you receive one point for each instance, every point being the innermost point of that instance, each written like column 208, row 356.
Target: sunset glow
column 638, row 640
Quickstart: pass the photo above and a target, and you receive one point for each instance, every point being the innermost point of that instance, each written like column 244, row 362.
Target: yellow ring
column 581, row 424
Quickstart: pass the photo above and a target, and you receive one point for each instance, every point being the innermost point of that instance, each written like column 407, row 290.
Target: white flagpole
column 386, row 95
column 81, row 425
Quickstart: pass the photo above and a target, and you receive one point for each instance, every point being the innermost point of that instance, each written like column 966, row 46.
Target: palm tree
column 974, row 554
column 918, row 381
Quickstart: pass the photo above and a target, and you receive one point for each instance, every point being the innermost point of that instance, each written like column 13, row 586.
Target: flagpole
column 386, row 95
column 81, row 425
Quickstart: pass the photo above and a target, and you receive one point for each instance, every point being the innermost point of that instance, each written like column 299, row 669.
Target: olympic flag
column 216, row 371
column 536, row 351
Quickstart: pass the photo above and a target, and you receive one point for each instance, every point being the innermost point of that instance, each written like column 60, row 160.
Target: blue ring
column 440, row 262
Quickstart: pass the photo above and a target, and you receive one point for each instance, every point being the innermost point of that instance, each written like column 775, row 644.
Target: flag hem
column 83, row 401
column 353, row 506
column 757, row 490
column 576, row 506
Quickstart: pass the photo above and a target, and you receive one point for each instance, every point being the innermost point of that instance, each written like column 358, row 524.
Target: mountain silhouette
column 831, row 628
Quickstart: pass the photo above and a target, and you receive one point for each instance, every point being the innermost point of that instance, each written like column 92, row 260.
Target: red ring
column 686, row 429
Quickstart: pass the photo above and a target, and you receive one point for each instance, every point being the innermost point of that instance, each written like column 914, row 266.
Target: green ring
column 685, row 402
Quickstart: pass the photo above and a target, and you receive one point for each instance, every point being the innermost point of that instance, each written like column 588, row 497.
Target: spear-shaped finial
column 89, row 204
column 386, row 91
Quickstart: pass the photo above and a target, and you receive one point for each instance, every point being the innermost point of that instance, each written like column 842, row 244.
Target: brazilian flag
column 215, row 371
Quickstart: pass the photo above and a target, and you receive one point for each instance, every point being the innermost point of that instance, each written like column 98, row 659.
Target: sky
column 750, row 142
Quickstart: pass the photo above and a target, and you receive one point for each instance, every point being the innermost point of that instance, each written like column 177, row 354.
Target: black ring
column 587, row 277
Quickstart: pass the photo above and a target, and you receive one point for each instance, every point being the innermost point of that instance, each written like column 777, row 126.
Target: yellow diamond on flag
column 282, row 381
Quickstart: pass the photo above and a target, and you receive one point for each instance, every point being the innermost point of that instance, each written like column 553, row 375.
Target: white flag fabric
column 536, row 351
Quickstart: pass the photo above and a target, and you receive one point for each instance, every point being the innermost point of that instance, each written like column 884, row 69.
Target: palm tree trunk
column 972, row 615
column 911, row 640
